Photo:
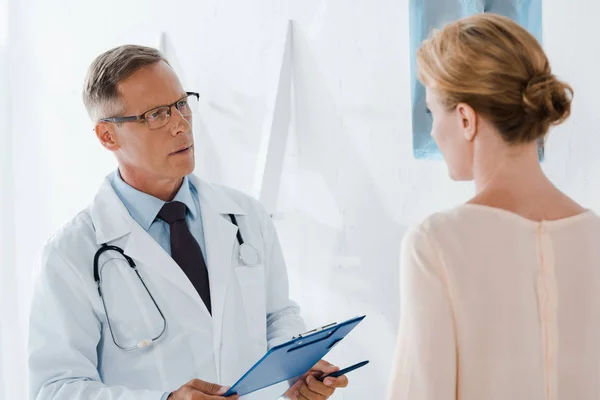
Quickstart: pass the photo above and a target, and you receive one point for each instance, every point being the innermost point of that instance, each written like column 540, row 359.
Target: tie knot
column 173, row 211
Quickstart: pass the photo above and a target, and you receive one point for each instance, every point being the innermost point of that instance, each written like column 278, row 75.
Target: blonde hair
column 495, row 66
column 100, row 90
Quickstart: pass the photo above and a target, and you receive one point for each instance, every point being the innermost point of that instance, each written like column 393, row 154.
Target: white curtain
column 13, row 288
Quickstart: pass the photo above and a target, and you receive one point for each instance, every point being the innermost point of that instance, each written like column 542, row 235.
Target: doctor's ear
column 467, row 120
column 107, row 136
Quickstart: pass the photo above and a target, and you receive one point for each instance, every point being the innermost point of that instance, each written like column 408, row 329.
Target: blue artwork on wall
column 426, row 15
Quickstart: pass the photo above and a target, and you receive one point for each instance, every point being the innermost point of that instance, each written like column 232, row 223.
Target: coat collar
column 112, row 220
column 144, row 207
column 215, row 197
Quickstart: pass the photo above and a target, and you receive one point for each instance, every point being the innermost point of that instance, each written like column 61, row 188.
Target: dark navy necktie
column 185, row 250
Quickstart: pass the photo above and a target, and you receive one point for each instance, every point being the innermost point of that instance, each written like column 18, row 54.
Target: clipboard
column 294, row 358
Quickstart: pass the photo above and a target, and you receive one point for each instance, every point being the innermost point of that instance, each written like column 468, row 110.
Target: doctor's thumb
column 220, row 390
column 208, row 388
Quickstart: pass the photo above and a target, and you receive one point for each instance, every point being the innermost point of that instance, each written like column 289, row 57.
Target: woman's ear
column 468, row 120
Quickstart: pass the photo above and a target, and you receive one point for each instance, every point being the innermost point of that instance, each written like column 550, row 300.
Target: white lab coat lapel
column 220, row 238
column 112, row 221
column 109, row 215
column 143, row 248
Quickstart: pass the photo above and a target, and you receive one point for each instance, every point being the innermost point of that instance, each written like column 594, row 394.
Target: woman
column 500, row 297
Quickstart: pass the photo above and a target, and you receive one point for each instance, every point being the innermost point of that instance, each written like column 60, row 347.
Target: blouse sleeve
column 424, row 363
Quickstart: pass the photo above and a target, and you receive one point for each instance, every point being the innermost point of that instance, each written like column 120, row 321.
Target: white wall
column 350, row 185
column 7, row 311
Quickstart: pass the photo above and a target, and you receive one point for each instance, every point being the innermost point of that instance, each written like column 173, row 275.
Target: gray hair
column 100, row 91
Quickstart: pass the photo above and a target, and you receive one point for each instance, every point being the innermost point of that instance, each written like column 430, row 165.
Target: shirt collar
column 184, row 195
column 143, row 207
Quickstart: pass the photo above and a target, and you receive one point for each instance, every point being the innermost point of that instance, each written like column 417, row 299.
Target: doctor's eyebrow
column 151, row 107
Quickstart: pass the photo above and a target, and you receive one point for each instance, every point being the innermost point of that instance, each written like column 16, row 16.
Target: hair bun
column 547, row 99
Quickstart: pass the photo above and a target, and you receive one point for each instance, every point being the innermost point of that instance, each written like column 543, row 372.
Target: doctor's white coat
column 71, row 352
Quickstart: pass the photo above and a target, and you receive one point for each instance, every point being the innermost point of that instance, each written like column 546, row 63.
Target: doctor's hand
column 200, row 390
column 310, row 388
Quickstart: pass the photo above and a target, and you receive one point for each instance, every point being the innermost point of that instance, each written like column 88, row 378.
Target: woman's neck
column 512, row 179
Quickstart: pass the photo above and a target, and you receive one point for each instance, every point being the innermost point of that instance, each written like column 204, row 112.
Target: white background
column 350, row 186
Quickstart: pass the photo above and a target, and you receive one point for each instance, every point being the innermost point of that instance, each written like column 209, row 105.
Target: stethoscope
column 247, row 254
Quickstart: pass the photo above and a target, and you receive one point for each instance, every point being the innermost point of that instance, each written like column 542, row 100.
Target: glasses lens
column 158, row 117
column 188, row 105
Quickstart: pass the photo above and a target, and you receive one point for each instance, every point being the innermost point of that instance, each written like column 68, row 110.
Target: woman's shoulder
column 465, row 222
column 474, row 223
column 448, row 219
column 436, row 225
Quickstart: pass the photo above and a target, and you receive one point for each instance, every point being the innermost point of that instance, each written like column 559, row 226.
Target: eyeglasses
column 159, row 117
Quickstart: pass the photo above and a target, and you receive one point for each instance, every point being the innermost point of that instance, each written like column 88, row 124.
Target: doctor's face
column 163, row 153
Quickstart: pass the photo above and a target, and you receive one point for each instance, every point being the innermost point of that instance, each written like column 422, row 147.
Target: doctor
column 210, row 292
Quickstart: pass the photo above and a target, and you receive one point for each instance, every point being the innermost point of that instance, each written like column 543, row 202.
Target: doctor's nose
column 179, row 123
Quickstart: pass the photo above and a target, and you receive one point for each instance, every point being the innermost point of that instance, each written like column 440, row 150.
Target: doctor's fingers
column 207, row 387
column 306, row 394
column 197, row 389
column 340, row 382
column 312, row 391
column 325, row 367
column 188, row 393
column 318, row 387
column 193, row 394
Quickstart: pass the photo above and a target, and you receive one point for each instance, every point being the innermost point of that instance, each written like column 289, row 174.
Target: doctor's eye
column 184, row 108
column 157, row 114
column 427, row 110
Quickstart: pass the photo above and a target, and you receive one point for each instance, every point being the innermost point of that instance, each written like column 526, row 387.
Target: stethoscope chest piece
column 248, row 255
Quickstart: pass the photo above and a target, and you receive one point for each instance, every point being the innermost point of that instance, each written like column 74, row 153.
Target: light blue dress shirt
column 144, row 209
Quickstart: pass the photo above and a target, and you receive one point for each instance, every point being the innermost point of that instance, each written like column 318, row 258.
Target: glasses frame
column 142, row 116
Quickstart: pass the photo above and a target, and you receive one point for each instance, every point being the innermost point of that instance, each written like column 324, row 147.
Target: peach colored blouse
column 498, row 307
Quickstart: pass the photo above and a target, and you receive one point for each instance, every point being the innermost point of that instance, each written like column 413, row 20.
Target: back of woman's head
column 499, row 69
